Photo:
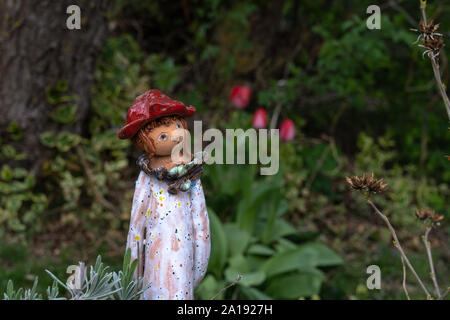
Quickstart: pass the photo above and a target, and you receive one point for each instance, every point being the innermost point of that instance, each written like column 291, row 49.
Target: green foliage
column 361, row 101
column 15, row 131
column 20, row 205
column 65, row 109
column 99, row 284
column 118, row 80
column 128, row 289
column 405, row 191
column 21, row 294
column 164, row 73
column 63, row 141
column 257, row 241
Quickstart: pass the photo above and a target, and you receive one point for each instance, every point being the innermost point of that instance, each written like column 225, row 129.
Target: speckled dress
column 172, row 234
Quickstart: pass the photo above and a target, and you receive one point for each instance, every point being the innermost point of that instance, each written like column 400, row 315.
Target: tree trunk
column 37, row 50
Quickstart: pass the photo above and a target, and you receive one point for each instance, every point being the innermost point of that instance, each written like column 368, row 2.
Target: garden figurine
column 169, row 225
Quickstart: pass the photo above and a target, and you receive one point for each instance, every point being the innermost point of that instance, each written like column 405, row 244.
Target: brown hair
column 142, row 139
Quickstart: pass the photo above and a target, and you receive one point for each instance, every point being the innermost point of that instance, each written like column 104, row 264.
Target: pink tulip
column 259, row 119
column 287, row 130
column 240, row 96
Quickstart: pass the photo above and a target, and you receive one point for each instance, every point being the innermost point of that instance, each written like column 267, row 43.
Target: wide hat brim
column 149, row 106
column 130, row 129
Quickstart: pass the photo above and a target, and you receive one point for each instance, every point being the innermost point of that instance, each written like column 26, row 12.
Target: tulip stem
column 275, row 115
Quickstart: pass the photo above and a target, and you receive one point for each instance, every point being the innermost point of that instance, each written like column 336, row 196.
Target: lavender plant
column 98, row 284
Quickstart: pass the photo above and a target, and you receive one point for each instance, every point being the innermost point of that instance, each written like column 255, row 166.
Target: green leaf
column 9, row 152
column 261, row 250
column 7, row 173
column 324, row 255
column 65, row 114
column 248, row 208
column 48, row 139
column 289, row 261
column 66, row 140
column 209, row 287
column 238, row 240
column 15, row 131
column 252, row 279
column 295, row 286
column 219, row 248
column 283, row 228
column 285, row 245
column 239, row 266
column 254, row 294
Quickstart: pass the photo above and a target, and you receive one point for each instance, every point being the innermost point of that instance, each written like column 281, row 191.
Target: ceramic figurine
column 169, row 226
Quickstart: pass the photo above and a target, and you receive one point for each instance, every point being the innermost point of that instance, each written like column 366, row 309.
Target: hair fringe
column 142, row 139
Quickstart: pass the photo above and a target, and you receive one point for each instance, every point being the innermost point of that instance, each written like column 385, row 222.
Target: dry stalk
column 430, row 260
column 239, row 278
column 435, row 64
column 399, row 247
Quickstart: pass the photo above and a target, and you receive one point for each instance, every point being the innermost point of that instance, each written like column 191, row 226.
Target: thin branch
column 434, row 64
column 404, row 279
column 437, row 76
column 430, row 260
column 444, row 294
column 239, row 278
column 399, row 247
column 423, row 6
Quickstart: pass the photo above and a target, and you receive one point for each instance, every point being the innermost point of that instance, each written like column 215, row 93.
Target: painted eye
column 162, row 137
column 178, row 124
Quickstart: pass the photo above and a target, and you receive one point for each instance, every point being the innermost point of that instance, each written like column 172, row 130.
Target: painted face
column 166, row 137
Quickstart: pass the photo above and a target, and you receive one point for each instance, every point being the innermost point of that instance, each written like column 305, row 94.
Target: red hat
column 149, row 106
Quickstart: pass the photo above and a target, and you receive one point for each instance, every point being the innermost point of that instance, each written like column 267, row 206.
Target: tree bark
column 37, row 50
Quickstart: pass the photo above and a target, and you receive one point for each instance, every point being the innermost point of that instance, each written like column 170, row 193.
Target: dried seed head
column 429, row 28
column 366, row 183
column 434, row 44
column 427, row 213
column 433, row 41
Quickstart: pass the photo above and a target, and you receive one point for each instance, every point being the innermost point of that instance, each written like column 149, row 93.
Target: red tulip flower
column 287, row 130
column 259, row 119
column 240, row 96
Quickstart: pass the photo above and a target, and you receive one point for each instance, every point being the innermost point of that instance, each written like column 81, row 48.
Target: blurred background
column 347, row 99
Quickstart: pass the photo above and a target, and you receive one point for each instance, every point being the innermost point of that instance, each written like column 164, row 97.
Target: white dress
column 172, row 234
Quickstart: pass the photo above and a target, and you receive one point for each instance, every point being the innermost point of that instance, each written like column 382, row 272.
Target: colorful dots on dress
column 176, row 245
